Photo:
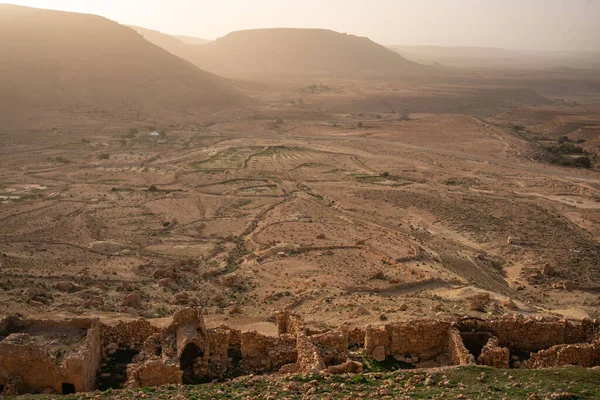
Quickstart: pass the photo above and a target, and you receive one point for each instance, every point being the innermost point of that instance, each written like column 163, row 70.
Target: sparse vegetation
column 386, row 379
column 103, row 156
column 59, row 160
column 277, row 124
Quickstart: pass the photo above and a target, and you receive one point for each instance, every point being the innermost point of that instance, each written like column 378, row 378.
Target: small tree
column 152, row 188
column 103, row 156
column 134, row 131
column 360, row 125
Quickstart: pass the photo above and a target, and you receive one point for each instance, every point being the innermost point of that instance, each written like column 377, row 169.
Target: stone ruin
column 45, row 356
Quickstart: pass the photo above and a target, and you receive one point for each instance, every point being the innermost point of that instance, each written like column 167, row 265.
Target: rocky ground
column 348, row 216
column 446, row 383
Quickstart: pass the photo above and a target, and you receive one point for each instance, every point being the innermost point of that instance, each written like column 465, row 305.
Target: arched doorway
column 189, row 357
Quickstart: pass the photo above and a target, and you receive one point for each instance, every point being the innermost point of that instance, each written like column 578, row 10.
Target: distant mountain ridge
column 54, row 59
column 287, row 52
column 463, row 56
column 192, row 40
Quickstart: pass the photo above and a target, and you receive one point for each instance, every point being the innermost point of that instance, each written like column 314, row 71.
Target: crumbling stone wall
column 38, row 367
column 456, row 350
column 494, row 355
column 262, row 353
column 332, row 346
column 585, row 355
column 154, row 372
column 218, row 343
column 520, row 333
column 416, row 340
column 356, row 337
column 127, row 335
column 219, row 352
column 289, row 323
column 309, row 358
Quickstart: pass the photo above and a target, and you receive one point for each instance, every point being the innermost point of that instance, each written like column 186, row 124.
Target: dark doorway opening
column 112, row 373
column 68, row 388
column 1, row 389
column 475, row 341
column 518, row 356
column 236, row 355
column 191, row 356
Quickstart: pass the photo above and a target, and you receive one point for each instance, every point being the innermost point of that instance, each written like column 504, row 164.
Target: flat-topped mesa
column 84, row 354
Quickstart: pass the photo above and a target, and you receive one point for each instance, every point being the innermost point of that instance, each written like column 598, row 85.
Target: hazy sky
column 517, row 24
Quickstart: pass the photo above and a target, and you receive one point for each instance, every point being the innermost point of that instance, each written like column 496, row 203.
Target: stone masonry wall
column 493, row 355
column 40, row 368
column 127, row 334
column 585, row 355
column 262, row 353
column 521, row 333
column 423, row 340
column 456, row 350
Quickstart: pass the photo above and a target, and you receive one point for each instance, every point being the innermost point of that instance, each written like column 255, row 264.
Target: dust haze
column 343, row 189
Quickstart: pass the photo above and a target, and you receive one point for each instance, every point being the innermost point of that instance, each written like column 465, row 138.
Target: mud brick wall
column 456, row 350
column 127, row 335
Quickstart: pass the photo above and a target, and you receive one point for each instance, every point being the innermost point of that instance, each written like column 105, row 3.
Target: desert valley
column 295, row 182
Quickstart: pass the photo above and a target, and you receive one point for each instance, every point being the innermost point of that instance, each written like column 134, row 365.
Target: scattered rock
column 568, row 285
column 132, row 300
column 165, row 282
column 514, row 240
column 65, row 286
column 235, row 309
column 181, row 298
column 359, row 311
column 548, row 270
column 379, row 353
column 163, row 273
column 349, row 367
column 510, row 304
